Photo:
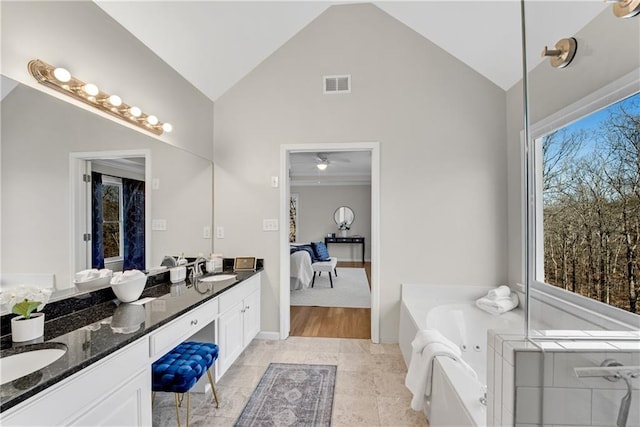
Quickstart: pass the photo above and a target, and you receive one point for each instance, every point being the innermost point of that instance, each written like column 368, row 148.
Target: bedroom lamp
column 62, row 81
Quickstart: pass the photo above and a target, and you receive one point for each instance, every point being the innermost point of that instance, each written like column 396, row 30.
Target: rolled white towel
column 499, row 305
column 105, row 272
column 86, row 275
column 499, row 292
column 127, row 276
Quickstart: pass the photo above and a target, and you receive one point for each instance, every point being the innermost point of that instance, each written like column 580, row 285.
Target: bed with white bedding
column 301, row 272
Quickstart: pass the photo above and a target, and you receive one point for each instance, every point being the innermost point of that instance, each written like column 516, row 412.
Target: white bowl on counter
column 128, row 290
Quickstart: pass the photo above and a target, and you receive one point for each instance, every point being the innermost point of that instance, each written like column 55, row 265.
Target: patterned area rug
column 291, row 394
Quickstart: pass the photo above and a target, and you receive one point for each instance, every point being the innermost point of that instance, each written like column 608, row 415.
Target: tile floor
column 369, row 389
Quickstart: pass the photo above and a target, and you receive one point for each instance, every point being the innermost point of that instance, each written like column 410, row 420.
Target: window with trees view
column 111, row 217
column 591, row 205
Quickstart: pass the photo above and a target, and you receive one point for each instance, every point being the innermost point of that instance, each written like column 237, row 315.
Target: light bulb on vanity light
column 322, row 165
column 152, row 120
column 135, row 111
column 62, row 75
column 167, row 127
column 91, row 89
column 115, row 100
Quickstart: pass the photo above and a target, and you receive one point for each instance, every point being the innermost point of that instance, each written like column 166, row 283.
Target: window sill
column 594, row 312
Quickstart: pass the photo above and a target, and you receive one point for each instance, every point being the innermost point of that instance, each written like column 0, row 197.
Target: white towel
column 86, row 275
column 426, row 345
column 499, row 305
column 120, row 278
column 499, row 292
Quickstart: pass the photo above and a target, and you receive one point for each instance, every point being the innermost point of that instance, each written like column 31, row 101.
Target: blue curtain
column 97, row 255
column 133, row 224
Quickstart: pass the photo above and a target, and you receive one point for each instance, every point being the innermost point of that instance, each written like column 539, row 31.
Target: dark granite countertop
column 97, row 331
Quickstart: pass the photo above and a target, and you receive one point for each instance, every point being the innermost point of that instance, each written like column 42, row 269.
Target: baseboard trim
column 265, row 335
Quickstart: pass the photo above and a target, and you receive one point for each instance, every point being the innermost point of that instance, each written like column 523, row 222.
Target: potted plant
column 343, row 227
column 24, row 301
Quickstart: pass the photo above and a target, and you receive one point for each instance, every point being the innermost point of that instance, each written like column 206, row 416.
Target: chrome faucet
column 197, row 266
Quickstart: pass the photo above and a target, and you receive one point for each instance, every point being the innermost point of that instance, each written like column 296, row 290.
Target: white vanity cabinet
column 180, row 329
column 113, row 391
column 239, row 321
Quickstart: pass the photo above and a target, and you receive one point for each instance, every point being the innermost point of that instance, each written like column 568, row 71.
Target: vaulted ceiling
column 214, row 44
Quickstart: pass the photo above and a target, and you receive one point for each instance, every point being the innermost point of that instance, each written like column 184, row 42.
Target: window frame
column 116, row 182
column 596, row 312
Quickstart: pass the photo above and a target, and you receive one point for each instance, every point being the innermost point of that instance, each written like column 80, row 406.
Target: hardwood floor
column 333, row 322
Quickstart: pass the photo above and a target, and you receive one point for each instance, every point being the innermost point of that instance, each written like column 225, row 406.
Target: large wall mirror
column 45, row 141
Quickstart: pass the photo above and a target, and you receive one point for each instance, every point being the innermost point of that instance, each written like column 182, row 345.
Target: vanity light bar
column 62, row 81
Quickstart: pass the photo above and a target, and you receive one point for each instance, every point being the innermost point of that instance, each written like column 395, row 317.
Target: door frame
column 285, row 297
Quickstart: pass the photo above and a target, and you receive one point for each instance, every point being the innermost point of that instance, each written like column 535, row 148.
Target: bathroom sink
column 20, row 361
column 217, row 278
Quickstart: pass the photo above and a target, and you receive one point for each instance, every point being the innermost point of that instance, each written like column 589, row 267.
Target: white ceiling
column 345, row 168
column 214, row 44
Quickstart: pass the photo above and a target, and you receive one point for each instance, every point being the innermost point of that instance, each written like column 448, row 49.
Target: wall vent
column 337, row 84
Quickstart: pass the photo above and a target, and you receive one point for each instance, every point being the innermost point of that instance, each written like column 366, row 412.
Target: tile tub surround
column 535, row 384
column 369, row 388
column 89, row 337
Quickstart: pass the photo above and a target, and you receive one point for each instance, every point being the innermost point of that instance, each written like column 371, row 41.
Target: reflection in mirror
column 117, row 210
column 344, row 216
column 43, row 141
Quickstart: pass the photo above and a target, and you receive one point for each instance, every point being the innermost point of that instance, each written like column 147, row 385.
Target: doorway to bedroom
column 331, row 206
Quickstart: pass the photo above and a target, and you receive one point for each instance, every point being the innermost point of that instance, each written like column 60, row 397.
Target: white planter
column 343, row 233
column 27, row 329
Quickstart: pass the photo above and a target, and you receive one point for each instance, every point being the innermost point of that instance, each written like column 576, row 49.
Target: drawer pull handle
column 194, row 322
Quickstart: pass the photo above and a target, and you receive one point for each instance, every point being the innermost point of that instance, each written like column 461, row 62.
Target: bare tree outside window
column 591, row 205
column 111, row 220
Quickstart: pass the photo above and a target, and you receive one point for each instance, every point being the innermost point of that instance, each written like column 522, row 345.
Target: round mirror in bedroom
column 344, row 216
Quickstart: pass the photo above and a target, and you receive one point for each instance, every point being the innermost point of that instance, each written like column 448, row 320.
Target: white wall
column 441, row 128
column 316, row 205
column 81, row 37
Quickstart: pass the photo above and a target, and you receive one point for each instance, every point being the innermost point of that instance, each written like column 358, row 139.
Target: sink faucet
column 197, row 267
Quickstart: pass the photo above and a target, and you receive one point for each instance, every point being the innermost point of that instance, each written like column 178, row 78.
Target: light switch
column 159, row 224
column 155, row 184
column 269, row 225
column 206, row 232
column 274, row 181
column 219, row 232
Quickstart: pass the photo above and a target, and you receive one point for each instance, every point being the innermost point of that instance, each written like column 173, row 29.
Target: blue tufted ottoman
column 179, row 370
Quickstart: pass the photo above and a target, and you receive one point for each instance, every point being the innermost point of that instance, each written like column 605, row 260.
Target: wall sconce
column 563, row 54
column 61, row 80
column 625, row 8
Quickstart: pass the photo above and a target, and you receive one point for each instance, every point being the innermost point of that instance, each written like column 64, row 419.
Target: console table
column 356, row 240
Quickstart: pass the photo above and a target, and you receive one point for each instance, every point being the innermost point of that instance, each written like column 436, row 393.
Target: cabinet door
column 230, row 331
column 251, row 317
column 129, row 405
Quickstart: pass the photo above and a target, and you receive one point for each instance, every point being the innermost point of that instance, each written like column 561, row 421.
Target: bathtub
column 455, row 398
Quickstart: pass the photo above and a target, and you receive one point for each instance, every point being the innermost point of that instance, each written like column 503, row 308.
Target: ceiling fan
column 321, row 160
